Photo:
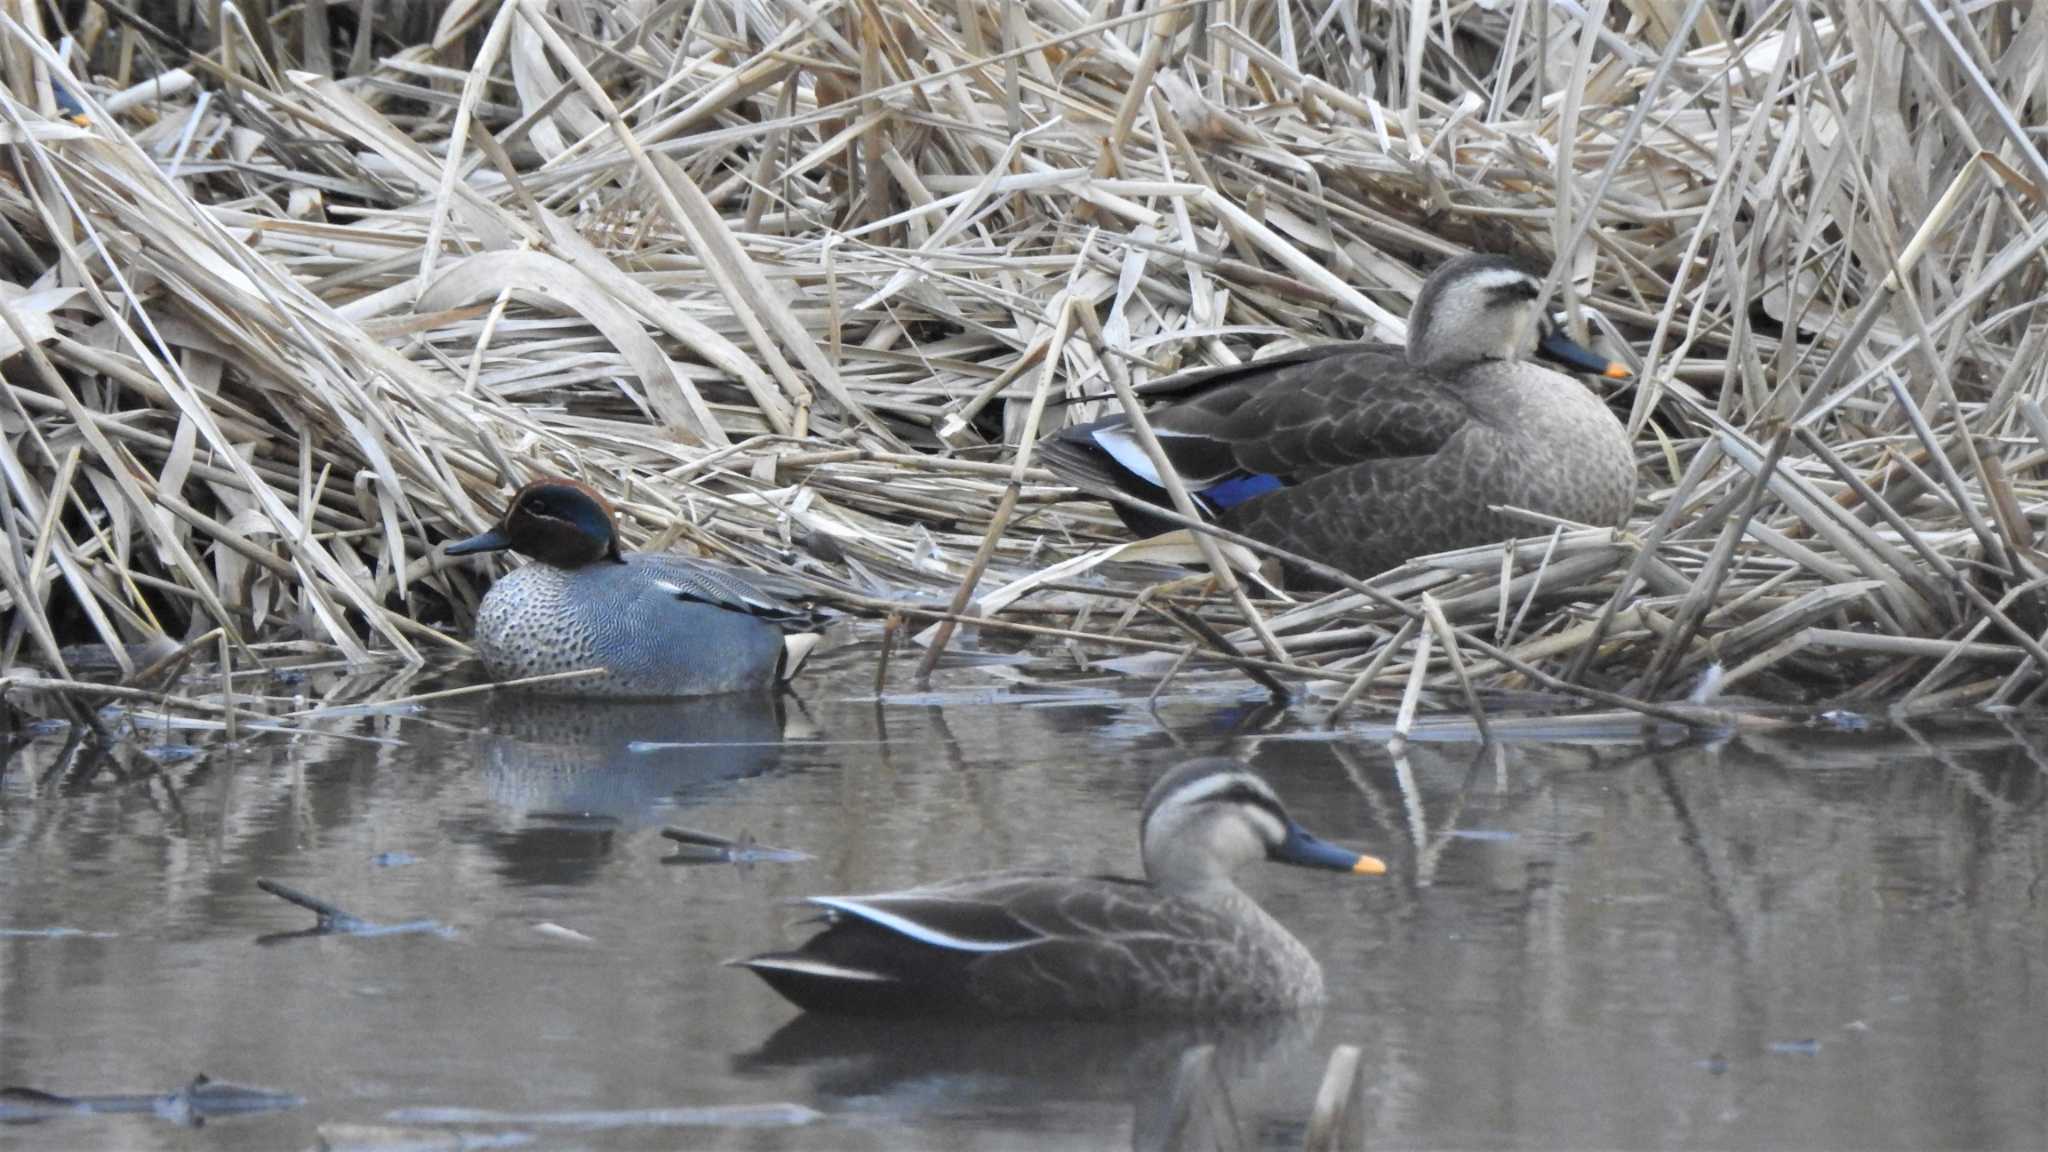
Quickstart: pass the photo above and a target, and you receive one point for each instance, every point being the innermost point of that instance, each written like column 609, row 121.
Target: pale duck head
column 1482, row 307
column 554, row 520
column 1208, row 818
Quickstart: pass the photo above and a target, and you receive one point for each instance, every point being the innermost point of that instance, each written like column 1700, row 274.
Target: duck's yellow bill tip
column 1616, row 370
column 1370, row 866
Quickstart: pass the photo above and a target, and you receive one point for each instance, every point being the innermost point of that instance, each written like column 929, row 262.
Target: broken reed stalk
column 1411, row 695
column 1370, row 675
column 1434, row 614
column 548, row 678
column 1207, row 633
column 1062, row 325
column 88, row 690
column 271, row 349
column 224, row 654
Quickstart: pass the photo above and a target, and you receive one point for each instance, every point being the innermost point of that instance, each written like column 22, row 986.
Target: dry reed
column 797, row 283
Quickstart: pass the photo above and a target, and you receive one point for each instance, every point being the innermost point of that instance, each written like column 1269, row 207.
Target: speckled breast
column 625, row 619
column 1573, row 458
column 528, row 626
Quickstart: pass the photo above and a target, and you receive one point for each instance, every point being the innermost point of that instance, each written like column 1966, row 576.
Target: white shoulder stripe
column 1123, row 447
column 912, row 928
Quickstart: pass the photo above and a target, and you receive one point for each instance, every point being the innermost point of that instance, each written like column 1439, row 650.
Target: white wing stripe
column 913, row 929
column 1123, row 447
column 817, row 968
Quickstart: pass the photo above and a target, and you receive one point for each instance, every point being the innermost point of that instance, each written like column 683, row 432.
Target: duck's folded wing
column 1199, row 380
column 705, row 582
column 1244, row 429
column 1103, row 945
column 904, row 953
column 1115, row 949
column 1020, row 946
column 1318, row 415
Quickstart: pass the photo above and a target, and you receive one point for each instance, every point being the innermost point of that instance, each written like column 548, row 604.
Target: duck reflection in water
column 571, row 774
column 1079, row 1075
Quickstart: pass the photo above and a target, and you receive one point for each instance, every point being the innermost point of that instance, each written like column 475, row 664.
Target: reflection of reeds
column 792, row 289
column 1338, row 1121
column 1200, row 1113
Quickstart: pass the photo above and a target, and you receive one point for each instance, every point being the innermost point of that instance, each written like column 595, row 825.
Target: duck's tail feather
column 819, row 985
column 796, row 648
column 796, row 965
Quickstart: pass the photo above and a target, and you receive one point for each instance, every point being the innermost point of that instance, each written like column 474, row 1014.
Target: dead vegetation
column 799, row 284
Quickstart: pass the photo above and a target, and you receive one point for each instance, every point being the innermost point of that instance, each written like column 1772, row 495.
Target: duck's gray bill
column 1309, row 852
column 1561, row 348
column 493, row 541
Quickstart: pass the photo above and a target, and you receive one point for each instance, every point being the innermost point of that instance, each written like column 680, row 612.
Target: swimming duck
column 1364, row 455
column 659, row 623
column 1184, row 940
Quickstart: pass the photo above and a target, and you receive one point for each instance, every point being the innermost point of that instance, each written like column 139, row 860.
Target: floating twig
column 334, row 921
column 708, row 848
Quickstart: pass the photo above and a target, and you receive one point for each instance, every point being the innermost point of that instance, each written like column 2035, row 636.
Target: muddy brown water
column 1807, row 938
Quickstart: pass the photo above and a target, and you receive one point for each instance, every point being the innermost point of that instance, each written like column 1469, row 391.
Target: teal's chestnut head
column 555, row 521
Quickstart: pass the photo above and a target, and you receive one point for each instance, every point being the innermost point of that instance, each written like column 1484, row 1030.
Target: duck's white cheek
column 1271, row 830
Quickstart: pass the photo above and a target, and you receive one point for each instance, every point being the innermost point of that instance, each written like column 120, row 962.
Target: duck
column 657, row 624
column 1182, row 941
column 1365, row 455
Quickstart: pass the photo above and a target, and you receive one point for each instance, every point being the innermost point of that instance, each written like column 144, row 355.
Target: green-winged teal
column 1363, row 455
column 658, row 623
column 1184, row 940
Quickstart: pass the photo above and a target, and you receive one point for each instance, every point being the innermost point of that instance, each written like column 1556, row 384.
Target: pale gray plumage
column 1186, row 940
column 660, row 624
column 1366, row 455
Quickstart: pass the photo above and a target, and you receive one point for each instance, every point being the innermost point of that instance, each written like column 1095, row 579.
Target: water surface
column 1797, row 938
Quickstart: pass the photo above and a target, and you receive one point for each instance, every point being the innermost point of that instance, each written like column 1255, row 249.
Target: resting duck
column 1184, row 940
column 658, row 623
column 1364, row 455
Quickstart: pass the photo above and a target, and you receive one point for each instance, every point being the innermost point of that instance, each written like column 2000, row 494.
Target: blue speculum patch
column 1239, row 489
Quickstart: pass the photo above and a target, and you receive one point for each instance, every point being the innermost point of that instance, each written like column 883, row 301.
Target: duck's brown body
column 1519, row 440
column 1041, row 945
column 1183, row 941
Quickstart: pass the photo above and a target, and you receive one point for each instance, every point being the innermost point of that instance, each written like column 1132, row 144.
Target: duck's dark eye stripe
column 1513, row 292
column 1247, row 795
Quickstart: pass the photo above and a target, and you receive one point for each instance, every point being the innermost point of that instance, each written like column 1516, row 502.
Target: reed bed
column 296, row 297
